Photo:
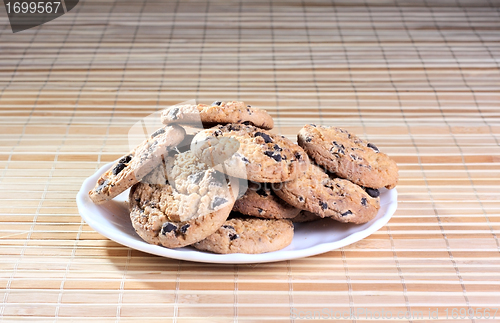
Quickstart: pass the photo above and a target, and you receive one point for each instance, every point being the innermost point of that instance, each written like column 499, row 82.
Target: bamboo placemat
column 420, row 79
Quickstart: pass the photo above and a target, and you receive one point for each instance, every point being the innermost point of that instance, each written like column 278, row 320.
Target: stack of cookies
column 235, row 187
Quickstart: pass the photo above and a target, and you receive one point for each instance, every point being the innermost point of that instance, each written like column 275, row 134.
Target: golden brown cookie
column 217, row 113
column 259, row 200
column 305, row 216
column 193, row 204
column 248, row 235
column 266, row 157
column 337, row 198
column 349, row 157
column 132, row 167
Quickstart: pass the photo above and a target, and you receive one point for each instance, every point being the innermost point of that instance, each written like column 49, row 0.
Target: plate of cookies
column 212, row 183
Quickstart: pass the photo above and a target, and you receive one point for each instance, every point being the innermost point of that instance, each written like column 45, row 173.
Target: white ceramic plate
column 112, row 220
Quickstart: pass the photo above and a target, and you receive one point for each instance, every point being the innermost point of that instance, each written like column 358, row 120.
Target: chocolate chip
column 372, row 146
column 233, row 236
column 354, row 157
column 249, row 106
column 233, row 127
column 339, row 148
column 277, row 148
column 230, row 227
column 323, row 205
column 218, row 103
column 184, row 228
column 266, row 137
column 100, row 187
column 158, row 132
column 260, row 210
column 346, row 213
column 262, row 192
column 308, row 139
column 196, row 178
column 298, row 156
column 276, row 157
column 373, row 192
column 125, row 159
column 168, row 227
column 172, row 114
column 118, row 168
column 218, row 201
column 301, row 199
column 363, row 201
column 153, row 146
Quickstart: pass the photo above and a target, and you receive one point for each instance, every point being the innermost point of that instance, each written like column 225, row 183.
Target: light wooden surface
column 419, row 79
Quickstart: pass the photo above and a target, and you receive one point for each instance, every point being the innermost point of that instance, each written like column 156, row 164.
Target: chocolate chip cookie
column 305, row 216
column 217, row 113
column 266, row 157
column 259, row 200
column 349, row 157
column 132, row 167
column 192, row 205
column 340, row 199
column 248, row 235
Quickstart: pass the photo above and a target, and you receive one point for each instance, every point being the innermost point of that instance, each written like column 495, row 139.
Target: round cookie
column 248, row 235
column 217, row 113
column 260, row 201
column 305, row 216
column 266, row 157
column 132, row 167
column 337, row 198
column 349, row 157
column 181, row 214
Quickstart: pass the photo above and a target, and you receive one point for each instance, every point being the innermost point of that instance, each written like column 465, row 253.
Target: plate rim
column 86, row 207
